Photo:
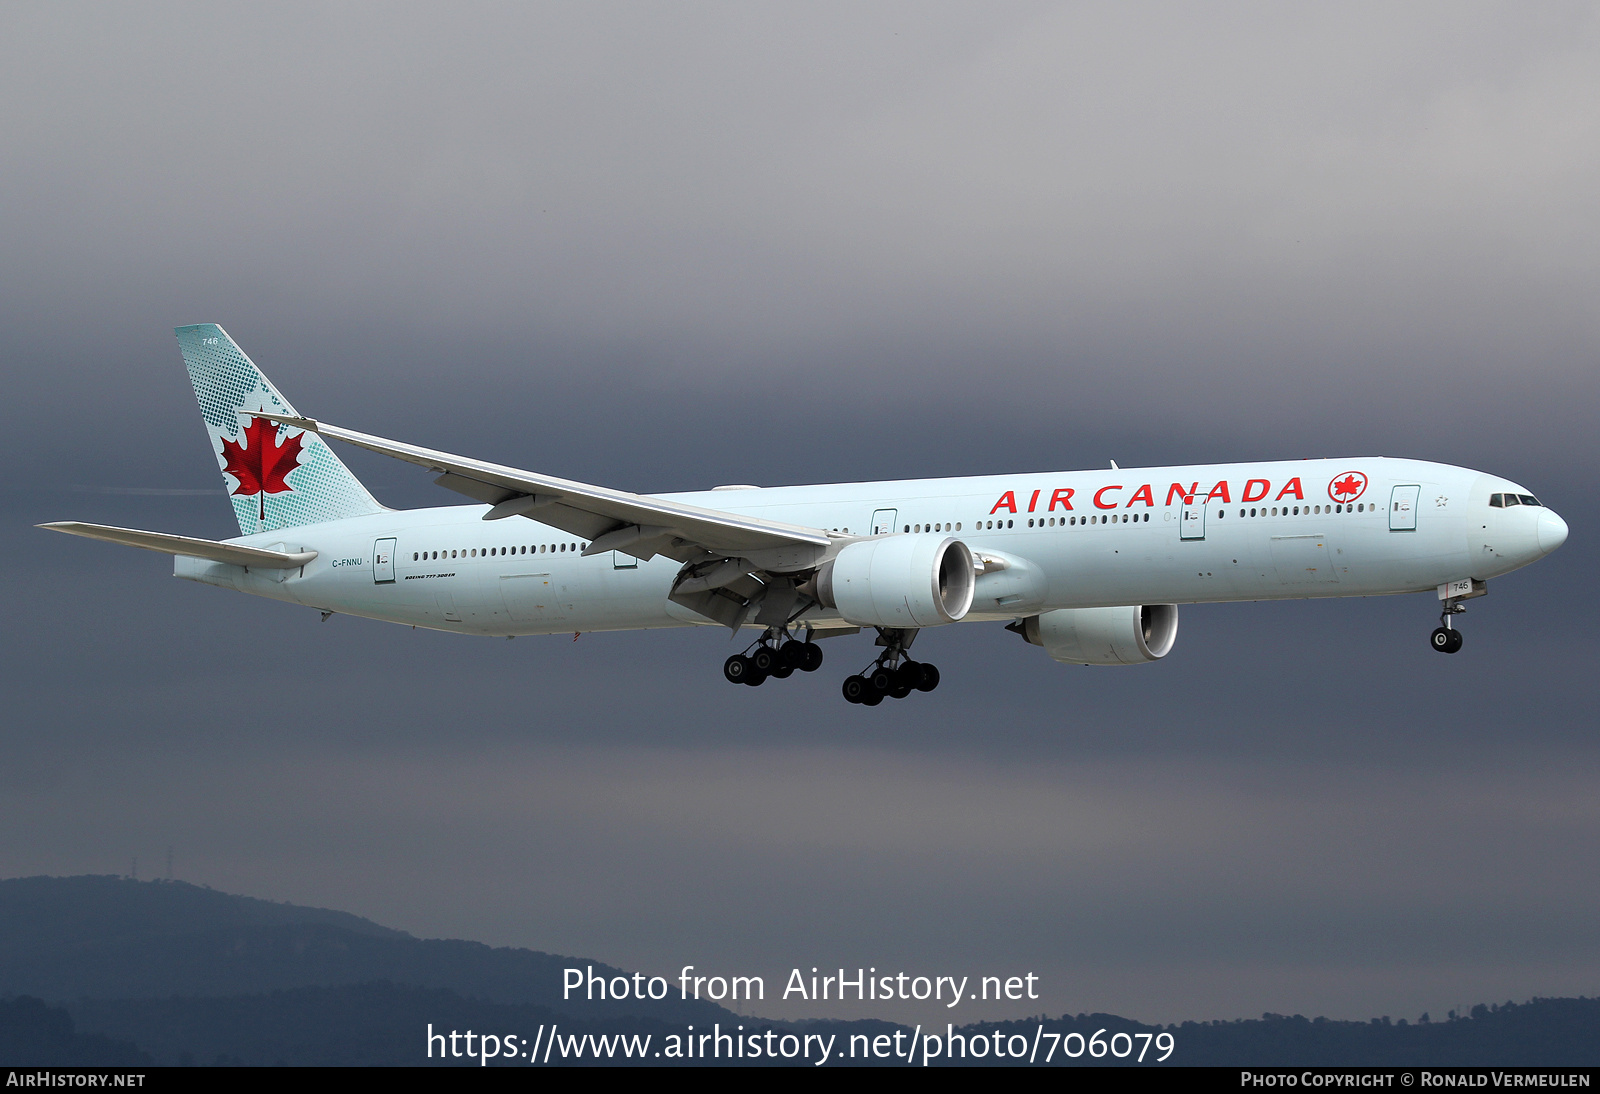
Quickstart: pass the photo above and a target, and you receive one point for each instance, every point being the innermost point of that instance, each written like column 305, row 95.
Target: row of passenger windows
column 485, row 552
column 1066, row 522
column 1506, row 501
column 1137, row 518
column 1301, row 510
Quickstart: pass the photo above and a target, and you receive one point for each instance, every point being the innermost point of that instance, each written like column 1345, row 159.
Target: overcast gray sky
column 667, row 246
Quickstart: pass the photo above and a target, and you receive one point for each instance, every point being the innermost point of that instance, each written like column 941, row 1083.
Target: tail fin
column 274, row 480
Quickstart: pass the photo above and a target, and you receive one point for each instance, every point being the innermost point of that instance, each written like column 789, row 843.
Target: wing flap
column 188, row 546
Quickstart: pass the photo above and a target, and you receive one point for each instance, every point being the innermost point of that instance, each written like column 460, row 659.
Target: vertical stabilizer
column 277, row 477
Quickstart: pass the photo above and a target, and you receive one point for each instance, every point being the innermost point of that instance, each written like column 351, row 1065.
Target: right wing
column 611, row 520
column 188, row 546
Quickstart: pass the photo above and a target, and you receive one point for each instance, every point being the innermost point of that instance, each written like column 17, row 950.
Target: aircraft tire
column 871, row 698
column 930, row 678
column 813, row 657
column 1441, row 639
column 853, row 689
column 736, row 669
column 764, row 659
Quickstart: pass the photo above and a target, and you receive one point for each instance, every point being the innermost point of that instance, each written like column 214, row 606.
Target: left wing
column 611, row 520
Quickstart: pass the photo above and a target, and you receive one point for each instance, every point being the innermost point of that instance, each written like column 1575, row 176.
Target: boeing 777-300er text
column 1090, row 565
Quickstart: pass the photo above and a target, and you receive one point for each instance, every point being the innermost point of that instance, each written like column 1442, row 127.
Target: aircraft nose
column 1552, row 531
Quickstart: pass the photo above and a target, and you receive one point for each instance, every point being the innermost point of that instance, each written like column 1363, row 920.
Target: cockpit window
column 1511, row 499
column 1527, row 499
column 1497, row 501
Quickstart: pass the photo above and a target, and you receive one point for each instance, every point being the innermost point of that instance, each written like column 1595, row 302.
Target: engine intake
column 1130, row 635
column 898, row 581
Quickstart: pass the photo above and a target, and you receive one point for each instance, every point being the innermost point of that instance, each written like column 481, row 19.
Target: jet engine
column 1130, row 635
column 898, row 581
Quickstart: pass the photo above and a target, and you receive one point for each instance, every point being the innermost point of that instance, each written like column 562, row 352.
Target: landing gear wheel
column 763, row 659
column 756, row 678
column 908, row 675
column 737, row 669
column 854, row 689
column 792, row 653
column 881, row 681
column 813, row 657
column 900, row 691
column 1445, row 640
column 930, row 678
column 871, row 698
column 782, row 672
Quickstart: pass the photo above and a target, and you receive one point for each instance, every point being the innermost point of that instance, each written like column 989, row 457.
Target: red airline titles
column 1254, row 490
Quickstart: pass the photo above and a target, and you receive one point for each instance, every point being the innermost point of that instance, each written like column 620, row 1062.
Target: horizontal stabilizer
column 232, row 553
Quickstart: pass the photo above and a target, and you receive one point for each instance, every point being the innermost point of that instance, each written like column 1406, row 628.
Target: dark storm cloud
column 664, row 247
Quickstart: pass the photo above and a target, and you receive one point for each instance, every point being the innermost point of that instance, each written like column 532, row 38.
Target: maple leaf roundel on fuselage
column 260, row 464
column 1347, row 486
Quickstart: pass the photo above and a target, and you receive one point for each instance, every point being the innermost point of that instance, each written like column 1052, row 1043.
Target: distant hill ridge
column 103, row 937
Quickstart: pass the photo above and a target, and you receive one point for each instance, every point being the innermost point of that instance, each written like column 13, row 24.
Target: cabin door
column 383, row 562
column 1403, row 508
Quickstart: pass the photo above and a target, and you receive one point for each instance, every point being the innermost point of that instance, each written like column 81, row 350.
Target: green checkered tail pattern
column 277, row 477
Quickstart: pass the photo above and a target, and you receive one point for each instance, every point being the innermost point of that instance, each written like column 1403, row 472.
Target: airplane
column 1090, row 565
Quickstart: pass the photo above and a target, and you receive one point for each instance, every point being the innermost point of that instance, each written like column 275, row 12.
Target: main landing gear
column 774, row 654
column 893, row 675
column 1445, row 638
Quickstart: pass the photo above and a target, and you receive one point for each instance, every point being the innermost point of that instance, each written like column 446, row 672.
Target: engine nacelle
column 1129, row 635
column 898, row 581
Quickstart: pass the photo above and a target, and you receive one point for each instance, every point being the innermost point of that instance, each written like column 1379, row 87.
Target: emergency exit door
column 1403, row 508
column 883, row 521
column 383, row 562
column 1192, row 520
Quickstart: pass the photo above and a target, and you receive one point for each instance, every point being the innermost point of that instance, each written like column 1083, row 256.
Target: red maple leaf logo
column 260, row 464
column 1350, row 486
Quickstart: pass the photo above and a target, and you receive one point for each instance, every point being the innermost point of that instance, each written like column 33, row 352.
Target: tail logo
column 260, row 464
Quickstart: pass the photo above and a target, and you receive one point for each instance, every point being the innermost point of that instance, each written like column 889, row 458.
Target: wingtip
column 309, row 424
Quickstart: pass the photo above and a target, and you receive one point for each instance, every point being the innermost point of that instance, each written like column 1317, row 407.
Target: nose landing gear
column 1445, row 638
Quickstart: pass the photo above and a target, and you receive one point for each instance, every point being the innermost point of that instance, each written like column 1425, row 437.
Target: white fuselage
column 1068, row 539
